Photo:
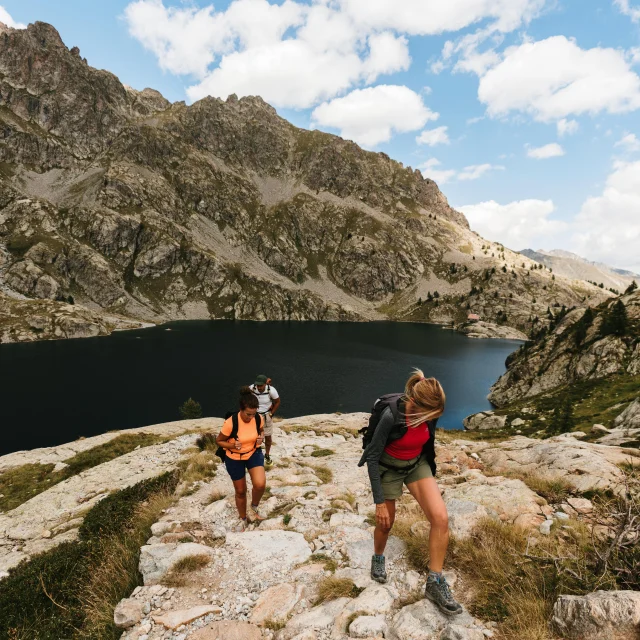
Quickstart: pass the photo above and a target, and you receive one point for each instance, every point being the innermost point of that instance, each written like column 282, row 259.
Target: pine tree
column 191, row 410
column 562, row 420
column 615, row 320
column 631, row 288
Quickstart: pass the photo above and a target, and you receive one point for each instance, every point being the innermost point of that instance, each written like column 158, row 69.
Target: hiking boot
column 378, row 572
column 440, row 594
column 267, row 461
column 255, row 515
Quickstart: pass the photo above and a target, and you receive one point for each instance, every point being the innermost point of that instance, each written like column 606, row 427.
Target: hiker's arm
column 275, row 403
column 223, row 441
column 374, row 451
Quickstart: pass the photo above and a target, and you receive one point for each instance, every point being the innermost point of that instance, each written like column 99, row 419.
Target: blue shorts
column 238, row 468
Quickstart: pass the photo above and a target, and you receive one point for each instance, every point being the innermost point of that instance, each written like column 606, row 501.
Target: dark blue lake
column 53, row 392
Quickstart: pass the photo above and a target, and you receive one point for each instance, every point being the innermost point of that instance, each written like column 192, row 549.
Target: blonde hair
column 427, row 396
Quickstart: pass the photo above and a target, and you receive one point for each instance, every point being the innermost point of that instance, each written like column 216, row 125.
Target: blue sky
column 540, row 98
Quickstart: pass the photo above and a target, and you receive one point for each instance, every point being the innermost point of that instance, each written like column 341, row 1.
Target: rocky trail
column 203, row 581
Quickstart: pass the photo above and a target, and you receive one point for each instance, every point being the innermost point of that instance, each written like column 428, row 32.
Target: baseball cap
column 260, row 380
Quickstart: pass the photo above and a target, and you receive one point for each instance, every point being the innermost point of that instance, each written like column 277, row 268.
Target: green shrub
column 191, row 410
column 207, row 442
column 321, row 453
column 58, row 594
column 117, row 510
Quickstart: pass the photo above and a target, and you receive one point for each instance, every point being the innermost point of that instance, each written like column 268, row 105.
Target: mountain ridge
column 126, row 204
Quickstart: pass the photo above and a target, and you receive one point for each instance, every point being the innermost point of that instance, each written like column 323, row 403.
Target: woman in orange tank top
column 244, row 453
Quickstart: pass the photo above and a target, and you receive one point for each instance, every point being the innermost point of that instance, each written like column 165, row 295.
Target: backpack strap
column 258, row 423
column 234, row 427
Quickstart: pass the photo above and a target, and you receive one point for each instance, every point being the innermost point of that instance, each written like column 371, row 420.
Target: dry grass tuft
column 215, row 496
column 117, row 571
column 329, row 563
column 177, row 577
column 325, row 475
column 334, row 588
column 201, row 466
column 554, row 490
column 322, row 453
column 274, row 625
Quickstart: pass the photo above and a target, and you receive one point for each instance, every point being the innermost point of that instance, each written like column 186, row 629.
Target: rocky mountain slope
column 573, row 266
column 278, row 580
column 582, row 345
column 125, row 204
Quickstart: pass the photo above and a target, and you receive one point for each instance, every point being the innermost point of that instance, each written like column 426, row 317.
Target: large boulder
column 261, row 550
column 585, row 465
column 276, row 603
column 626, row 427
column 504, row 499
column 614, row 615
column 463, row 516
column 484, row 420
column 156, row 560
column 423, row 621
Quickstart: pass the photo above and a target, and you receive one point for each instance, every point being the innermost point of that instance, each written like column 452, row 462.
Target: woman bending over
column 243, row 453
column 401, row 451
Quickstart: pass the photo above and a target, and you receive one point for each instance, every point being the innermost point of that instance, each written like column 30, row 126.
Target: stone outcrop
column 484, row 420
column 560, row 358
column 626, row 427
column 614, row 615
column 53, row 516
column 491, row 330
column 584, row 465
column 147, row 210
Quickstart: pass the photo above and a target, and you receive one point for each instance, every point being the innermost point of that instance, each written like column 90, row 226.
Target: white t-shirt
column 266, row 398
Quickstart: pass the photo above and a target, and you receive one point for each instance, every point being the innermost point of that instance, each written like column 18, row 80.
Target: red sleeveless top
column 411, row 444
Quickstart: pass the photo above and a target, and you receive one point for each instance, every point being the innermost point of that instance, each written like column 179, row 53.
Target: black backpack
column 389, row 400
column 235, row 425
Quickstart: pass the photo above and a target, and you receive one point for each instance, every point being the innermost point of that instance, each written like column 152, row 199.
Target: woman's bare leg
column 380, row 535
column 240, row 487
column 427, row 493
column 258, row 484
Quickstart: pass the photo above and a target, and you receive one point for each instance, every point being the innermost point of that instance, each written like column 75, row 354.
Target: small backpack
column 235, row 425
column 389, row 400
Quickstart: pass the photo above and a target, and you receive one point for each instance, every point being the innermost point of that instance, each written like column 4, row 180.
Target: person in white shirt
column 268, row 403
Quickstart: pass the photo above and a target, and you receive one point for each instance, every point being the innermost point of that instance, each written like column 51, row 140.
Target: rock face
column 221, row 209
column 59, row 510
column 484, row 420
column 614, row 615
column 564, row 356
column 491, row 330
column 626, row 427
column 585, row 465
column 571, row 265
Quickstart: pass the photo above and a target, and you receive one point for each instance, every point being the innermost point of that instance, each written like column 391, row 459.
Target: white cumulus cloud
column 567, row 127
column 608, row 226
column 476, row 171
column 628, row 10
column 6, row 18
column 518, row 225
column 441, row 176
column 629, row 142
column 370, row 116
column 417, row 17
column 433, row 137
column 297, row 54
column 554, row 78
column 472, row 172
column 552, row 150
